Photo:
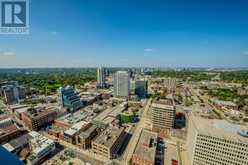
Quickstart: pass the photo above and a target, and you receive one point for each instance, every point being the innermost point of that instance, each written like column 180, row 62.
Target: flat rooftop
column 146, row 147
column 57, row 129
column 73, row 118
column 39, row 142
column 171, row 153
column 18, row 106
column 110, row 112
column 85, row 134
column 76, row 128
column 167, row 104
column 38, row 112
column 16, row 143
column 164, row 101
column 109, row 136
column 7, row 126
column 219, row 128
column 21, row 110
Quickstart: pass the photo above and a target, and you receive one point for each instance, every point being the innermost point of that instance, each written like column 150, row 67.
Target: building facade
column 35, row 118
column 13, row 94
column 85, row 138
column 141, row 88
column 121, row 84
column 101, row 77
column 109, row 142
column 69, row 99
column 41, row 147
column 163, row 114
column 70, row 135
column 9, row 129
column 217, row 142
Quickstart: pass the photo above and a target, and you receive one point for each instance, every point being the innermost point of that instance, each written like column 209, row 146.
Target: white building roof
column 219, row 128
column 8, row 147
column 39, row 142
column 76, row 127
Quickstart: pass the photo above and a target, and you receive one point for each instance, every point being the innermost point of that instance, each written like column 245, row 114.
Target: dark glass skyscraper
column 141, row 87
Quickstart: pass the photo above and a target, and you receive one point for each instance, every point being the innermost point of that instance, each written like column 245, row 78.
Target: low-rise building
column 126, row 117
column 145, row 151
column 56, row 131
column 85, row 138
column 18, row 112
column 9, row 129
column 109, row 142
column 106, row 117
column 88, row 98
column 71, row 133
column 16, row 145
column 41, row 148
column 70, row 119
column 35, row 118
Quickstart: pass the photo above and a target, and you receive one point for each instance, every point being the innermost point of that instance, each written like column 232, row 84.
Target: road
column 127, row 156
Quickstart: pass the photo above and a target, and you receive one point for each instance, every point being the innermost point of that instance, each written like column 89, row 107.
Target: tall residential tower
column 121, row 84
column 101, row 77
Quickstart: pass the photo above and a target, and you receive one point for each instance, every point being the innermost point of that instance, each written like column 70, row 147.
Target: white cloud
column 149, row 50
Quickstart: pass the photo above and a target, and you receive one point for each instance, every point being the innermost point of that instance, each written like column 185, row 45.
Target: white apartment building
column 163, row 114
column 121, row 84
column 41, row 147
column 216, row 142
column 101, row 77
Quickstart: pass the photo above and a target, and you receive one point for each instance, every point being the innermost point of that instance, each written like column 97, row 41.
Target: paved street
column 127, row 156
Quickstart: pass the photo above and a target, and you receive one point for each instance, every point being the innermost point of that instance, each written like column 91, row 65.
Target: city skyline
column 124, row 82
column 130, row 33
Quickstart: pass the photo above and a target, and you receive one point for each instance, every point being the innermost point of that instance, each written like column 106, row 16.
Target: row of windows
column 221, row 143
column 199, row 159
column 222, row 151
column 225, row 141
column 99, row 147
column 208, row 155
column 221, row 148
column 103, row 151
column 228, row 152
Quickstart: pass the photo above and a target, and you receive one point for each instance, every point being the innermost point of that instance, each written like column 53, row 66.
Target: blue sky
column 164, row 33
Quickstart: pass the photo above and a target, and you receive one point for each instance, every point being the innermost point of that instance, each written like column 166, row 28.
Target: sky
column 110, row 33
